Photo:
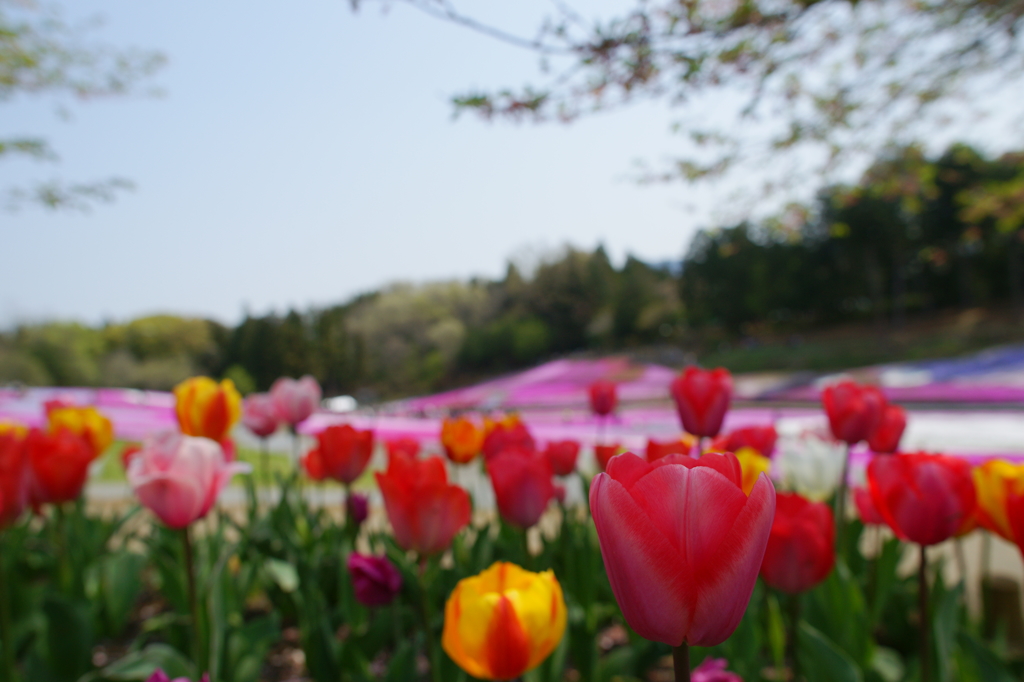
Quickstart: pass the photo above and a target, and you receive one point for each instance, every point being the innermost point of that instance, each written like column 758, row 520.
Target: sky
column 300, row 157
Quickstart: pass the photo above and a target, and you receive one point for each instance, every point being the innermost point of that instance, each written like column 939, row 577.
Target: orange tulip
column 993, row 480
column 206, row 408
column 462, row 439
column 504, row 621
column 87, row 422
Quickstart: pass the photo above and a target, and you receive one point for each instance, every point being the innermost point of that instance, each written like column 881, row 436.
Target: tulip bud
column 713, row 670
column 462, row 439
column 87, row 422
column 259, row 414
column 603, row 397
column 604, row 453
column 800, row 552
column 853, row 410
column 702, row 398
column 160, row 676
column 294, row 400
column 207, row 409
column 503, row 622
column 410, row 447
column 658, row 449
column 58, row 466
column 886, row 436
column 759, row 438
column 375, row 580
column 562, row 455
column 522, row 485
column 357, row 507
column 424, row 509
column 13, row 475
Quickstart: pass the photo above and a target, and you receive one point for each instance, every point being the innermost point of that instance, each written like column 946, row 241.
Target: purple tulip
column 375, row 579
column 713, row 670
column 357, row 508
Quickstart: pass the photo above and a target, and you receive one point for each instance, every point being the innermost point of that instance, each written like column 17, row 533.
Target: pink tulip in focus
column 713, row 670
column 179, row 477
column 259, row 414
column 295, row 400
column 682, row 543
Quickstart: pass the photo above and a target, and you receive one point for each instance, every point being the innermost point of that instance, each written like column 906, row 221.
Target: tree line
column 916, row 235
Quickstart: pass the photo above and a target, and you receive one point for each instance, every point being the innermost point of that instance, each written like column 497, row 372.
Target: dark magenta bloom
column 375, row 579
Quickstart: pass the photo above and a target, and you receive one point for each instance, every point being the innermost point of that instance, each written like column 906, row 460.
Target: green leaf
column 282, row 573
column 944, row 625
column 68, row 636
column 120, row 580
column 823, row 660
column 988, row 666
column 139, row 665
column 403, row 664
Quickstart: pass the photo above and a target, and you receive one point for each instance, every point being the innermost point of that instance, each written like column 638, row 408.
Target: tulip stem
column 193, row 600
column 432, row 651
column 792, row 635
column 6, row 628
column 841, row 505
column 681, row 660
column 265, row 463
column 922, row 593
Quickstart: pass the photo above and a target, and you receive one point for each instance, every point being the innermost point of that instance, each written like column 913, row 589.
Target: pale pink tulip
column 295, row 400
column 259, row 414
column 179, row 477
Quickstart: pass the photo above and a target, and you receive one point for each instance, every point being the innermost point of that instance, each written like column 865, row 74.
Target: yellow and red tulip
column 206, row 408
column 993, row 480
column 87, row 422
column 504, row 621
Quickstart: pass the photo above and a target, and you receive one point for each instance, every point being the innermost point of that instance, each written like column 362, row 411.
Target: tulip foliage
column 714, row 551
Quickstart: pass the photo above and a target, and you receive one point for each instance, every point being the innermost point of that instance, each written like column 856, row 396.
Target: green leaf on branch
column 823, row 659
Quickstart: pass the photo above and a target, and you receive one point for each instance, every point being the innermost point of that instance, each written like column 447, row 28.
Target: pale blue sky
column 302, row 154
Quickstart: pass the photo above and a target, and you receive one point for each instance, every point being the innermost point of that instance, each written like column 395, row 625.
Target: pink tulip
column 179, row 477
column 259, row 414
column 713, row 670
column 161, row 676
column 702, row 398
column 295, row 400
column 682, row 543
column 523, row 485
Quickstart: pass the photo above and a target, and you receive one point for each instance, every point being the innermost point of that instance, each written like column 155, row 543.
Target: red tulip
column 603, row 397
column 508, row 433
column 424, row 509
column 13, row 476
column 702, row 399
column 759, row 438
column 562, row 455
column 869, row 516
column 853, row 410
column 886, row 436
column 294, row 400
column 801, row 547
column 313, row 463
column 682, row 543
column 259, row 414
column 58, row 465
column 410, row 447
column 658, row 449
column 522, row 485
column 923, row 498
column 343, row 453
column 603, row 453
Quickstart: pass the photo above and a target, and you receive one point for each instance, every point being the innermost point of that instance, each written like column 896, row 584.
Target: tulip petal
column 507, row 648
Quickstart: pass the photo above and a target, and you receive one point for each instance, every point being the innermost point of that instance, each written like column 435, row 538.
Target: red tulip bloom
column 886, row 436
column 702, row 399
column 410, row 447
column 58, row 464
column 508, row 433
column 801, row 547
column 658, row 449
column 869, row 516
column 343, row 451
column 313, row 463
column 682, row 543
column 759, row 438
column 522, row 485
column 562, row 455
column 924, row 498
column 13, row 476
column 603, row 453
column 424, row 509
column 853, row 410
column 603, row 397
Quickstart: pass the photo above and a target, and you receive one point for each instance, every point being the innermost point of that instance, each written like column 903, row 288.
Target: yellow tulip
column 12, row 427
column 992, row 481
column 87, row 422
column 753, row 463
column 206, row 408
column 504, row 621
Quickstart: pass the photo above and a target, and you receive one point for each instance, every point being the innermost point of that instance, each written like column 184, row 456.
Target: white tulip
column 810, row 464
